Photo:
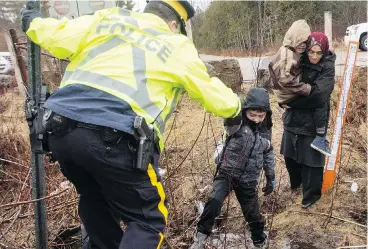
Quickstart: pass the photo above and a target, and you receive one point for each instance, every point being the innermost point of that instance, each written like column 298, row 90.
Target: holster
column 146, row 137
column 145, row 153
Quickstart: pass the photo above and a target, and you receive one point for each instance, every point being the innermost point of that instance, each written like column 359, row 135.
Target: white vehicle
column 75, row 8
column 6, row 65
column 358, row 33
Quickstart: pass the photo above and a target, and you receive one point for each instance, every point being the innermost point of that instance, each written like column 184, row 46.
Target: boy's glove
column 268, row 189
column 28, row 14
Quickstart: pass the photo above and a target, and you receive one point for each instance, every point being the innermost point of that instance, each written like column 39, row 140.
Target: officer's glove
column 28, row 14
column 270, row 185
column 232, row 125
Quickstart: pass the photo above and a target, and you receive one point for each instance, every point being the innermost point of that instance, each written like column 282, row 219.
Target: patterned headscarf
column 320, row 39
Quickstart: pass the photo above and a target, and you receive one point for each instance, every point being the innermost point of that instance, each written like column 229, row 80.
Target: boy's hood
column 257, row 98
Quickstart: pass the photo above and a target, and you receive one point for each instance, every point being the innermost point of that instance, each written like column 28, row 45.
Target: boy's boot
column 260, row 241
column 199, row 241
column 321, row 144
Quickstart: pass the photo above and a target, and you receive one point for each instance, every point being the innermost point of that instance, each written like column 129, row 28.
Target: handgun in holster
column 146, row 145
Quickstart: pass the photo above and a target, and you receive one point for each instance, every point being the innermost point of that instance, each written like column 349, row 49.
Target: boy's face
column 301, row 48
column 256, row 116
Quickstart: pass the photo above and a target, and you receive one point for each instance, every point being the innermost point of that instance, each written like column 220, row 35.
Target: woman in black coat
column 304, row 164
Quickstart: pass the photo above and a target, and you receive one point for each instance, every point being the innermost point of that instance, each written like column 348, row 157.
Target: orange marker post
column 340, row 118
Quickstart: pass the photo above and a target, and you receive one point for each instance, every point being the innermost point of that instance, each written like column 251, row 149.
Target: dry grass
column 356, row 119
column 338, row 45
column 271, row 50
column 16, row 222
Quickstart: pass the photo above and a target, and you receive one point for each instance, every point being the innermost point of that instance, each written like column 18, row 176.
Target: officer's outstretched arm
column 211, row 93
column 61, row 38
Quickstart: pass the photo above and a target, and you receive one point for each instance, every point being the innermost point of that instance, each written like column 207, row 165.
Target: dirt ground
column 338, row 219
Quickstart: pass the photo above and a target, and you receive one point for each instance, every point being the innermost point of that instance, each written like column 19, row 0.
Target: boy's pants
column 320, row 116
column 246, row 193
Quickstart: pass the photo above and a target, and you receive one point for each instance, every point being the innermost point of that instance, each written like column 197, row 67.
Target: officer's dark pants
column 111, row 190
column 310, row 178
column 246, row 193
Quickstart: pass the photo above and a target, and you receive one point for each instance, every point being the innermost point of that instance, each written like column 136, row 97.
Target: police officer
column 123, row 65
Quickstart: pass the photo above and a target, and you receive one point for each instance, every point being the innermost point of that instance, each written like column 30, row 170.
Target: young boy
column 244, row 154
column 285, row 72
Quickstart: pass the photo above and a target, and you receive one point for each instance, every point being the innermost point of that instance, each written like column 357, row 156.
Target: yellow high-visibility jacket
column 124, row 64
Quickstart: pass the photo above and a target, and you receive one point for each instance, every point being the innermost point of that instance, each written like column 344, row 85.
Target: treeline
column 242, row 25
column 246, row 25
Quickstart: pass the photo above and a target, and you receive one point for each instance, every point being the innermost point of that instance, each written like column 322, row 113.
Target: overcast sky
column 139, row 4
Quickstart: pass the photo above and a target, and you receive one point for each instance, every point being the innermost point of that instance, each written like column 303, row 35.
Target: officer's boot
column 85, row 238
column 199, row 241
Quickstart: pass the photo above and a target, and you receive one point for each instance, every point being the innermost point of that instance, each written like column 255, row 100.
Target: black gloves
column 28, row 14
column 233, row 121
column 232, row 125
column 268, row 189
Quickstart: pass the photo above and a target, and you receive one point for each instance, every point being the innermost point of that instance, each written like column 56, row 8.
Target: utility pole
column 328, row 26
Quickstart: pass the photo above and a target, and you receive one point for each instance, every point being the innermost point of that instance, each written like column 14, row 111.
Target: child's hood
column 297, row 33
column 257, row 98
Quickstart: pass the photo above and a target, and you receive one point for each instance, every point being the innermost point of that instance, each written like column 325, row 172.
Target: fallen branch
column 12, row 223
column 351, row 247
column 49, row 210
column 16, row 179
column 328, row 215
column 361, row 236
column 3, row 245
column 344, row 232
column 8, row 161
column 35, row 200
column 167, row 243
